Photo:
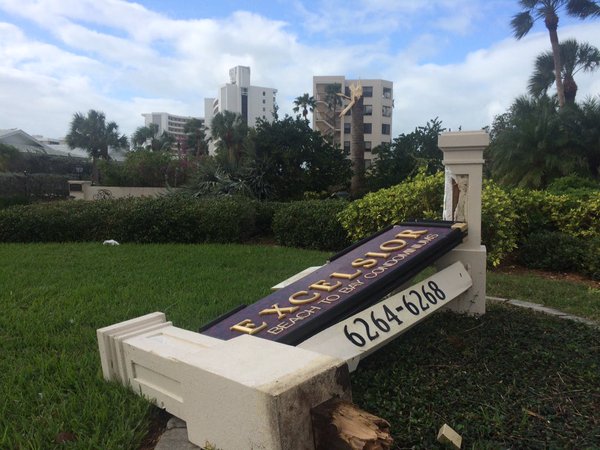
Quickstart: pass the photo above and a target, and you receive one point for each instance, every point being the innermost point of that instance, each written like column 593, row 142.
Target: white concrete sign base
column 238, row 394
column 363, row 333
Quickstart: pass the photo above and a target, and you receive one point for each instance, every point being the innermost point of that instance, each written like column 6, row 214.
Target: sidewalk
column 175, row 436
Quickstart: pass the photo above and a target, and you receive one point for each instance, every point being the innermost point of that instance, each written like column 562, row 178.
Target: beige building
column 378, row 102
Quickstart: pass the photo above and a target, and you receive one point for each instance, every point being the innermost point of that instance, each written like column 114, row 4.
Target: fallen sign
column 350, row 282
column 360, row 335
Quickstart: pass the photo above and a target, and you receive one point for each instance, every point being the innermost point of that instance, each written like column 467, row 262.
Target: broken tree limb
column 340, row 425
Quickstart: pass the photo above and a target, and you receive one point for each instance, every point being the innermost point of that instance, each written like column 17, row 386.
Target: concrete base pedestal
column 238, row 394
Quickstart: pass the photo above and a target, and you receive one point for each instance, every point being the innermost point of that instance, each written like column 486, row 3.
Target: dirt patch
column 157, row 427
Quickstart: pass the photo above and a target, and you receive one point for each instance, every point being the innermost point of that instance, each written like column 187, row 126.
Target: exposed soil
column 157, row 427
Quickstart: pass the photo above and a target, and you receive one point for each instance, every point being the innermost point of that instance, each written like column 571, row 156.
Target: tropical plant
column 149, row 138
column 408, row 152
column 291, row 159
column 547, row 10
column 229, row 132
column 197, row 139
column 93, row 134
column 534, row 146
column 574, row 57
column 305, row 103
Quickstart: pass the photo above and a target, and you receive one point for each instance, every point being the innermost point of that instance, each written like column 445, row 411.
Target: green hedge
column 37, row 186
column 421, row 198
column 556, row 251
column 311, row 224
column 164, row 219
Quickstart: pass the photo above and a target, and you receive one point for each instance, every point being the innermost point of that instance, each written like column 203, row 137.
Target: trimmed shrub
column 556, row 251
column 552, row 250
column 499, row 232
column 164, row 219
column 420, row 197
column 310, row 224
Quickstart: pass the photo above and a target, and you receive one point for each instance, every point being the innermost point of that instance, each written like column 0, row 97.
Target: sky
column 452, row 59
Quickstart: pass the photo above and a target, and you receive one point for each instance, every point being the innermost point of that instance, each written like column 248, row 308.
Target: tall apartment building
column 170, row 123
column 239, row 96
column 378, row 100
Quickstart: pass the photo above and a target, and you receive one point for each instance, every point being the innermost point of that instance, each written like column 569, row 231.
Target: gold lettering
column 345, row 276
column 248, row 327
column 294, row 301
column 377, row 255
column 361, row 262
column 393, row 245
column 281, row 312
column 323, row 285
column 411, row 234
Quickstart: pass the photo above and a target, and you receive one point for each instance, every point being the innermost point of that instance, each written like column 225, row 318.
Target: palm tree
column 548, row 10
column 94, row 135
column 305, row 103
column 229, row 132
column 333, row 100
column 197, row 140
column 148, row 138
column 574, row 57
column 533, row 145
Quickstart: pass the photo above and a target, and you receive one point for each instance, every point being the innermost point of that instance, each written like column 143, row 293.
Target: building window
column 386, row 128
column 368, row 128
column 264, row 109
column 264, row 101
column 367, row 91
column 368, row 145
column 346, row 128
column 264, row 93
column 387, row 92
column 386, row 111
column 347, row 146
column 368, row 110
column 368, row 163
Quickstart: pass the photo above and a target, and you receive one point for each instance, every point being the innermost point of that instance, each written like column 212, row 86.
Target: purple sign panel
column 354, row 280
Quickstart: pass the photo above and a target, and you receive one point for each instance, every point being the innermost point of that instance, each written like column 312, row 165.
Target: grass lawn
column 511, row 379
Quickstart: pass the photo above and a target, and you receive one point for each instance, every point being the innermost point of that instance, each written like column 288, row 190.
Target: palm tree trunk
column 552, row 25
column 357, row 149
column 570, row 88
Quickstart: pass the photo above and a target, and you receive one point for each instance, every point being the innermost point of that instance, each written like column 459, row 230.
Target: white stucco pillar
column 463, row 162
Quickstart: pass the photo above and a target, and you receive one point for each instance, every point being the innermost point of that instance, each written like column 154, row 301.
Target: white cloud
column 124, row 59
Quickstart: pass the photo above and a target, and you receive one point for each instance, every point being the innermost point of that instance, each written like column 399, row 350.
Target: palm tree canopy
column 92, row 133
column 148, row 138
column 305, row 103
column 574, row 56
column 547, row 10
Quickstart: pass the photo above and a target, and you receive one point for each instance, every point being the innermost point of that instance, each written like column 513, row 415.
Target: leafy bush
column 34, row 186
column 551, row 250
column 310, row 224
column 573, row 214
column 498, row 223
column 573, row 185
column 583, row 220
column 419, row 197
column 164, row 219
column 556, row 251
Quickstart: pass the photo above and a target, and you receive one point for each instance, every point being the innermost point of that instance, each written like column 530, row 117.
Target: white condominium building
column 238, row 96
column 378, row 100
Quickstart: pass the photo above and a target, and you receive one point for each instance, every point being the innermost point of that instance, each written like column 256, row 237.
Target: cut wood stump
column 340, row 425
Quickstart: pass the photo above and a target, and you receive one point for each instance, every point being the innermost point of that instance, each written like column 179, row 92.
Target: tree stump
column 340, row 425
